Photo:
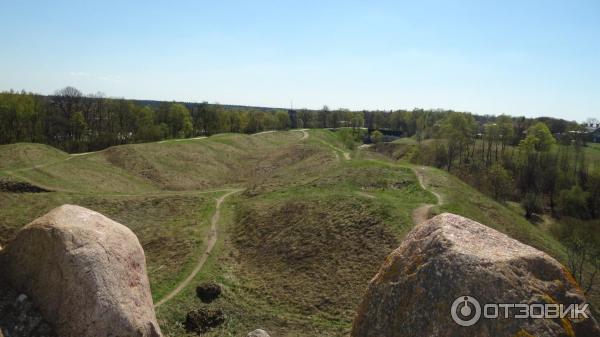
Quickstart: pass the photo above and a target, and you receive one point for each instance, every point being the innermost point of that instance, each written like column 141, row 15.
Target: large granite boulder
column 447, row 263
column 85, row 272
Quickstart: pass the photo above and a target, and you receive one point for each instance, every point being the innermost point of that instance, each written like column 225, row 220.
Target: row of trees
column 74, row 122
column 541, row 170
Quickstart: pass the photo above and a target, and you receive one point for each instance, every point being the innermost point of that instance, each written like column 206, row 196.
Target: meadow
column 296, row 246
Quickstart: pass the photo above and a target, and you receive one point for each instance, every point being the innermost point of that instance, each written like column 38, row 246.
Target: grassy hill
column 295, row 249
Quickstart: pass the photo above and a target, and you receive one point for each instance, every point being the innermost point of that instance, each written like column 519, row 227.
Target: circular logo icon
column 465, row 311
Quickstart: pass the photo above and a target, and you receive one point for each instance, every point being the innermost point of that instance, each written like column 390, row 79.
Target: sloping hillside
column 294, row 251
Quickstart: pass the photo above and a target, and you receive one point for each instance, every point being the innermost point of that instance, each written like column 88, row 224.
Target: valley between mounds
column 309, row 226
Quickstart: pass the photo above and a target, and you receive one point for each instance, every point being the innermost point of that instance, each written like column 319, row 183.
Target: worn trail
column 421, row 213
column 211, row 241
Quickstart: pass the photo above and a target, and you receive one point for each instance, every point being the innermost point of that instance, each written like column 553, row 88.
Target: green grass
column 214, row 162
column 270, row 283
column 23, row 155
column 295, row 250
column 170, row 228
column 462, row 199
column 592, row 152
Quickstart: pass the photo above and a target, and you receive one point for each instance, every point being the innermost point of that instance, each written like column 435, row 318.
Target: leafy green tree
column 573, row 202
column 379, row 120
column 376, row 137
column 255, row 122
column 539, row 138
column 549, row 175
column 348, row 137
column 500, row 181
column 357, row 121
column 179, row 120
column 147, row 129
column 593, row 188
column 457, row 130
column 420, row 126
column 78, row 125
column 492, row 133
column 440, row 154
column 396, row 121
column 507, row 131
column 283, row 120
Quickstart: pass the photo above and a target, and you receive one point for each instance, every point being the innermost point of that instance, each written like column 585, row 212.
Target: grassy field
column 295, row 250
column 170, row 228
column 460, row 198
column 294, row 259
column 592, row 152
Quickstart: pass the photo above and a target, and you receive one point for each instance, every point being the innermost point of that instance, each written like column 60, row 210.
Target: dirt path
column 336, row 150
column 180, row 139
column 421, row 213
column 212, row 240
column 263, row 132
column 304, row 133
column 366, row 195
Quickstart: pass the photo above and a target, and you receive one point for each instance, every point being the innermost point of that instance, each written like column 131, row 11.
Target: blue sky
column 517, row 57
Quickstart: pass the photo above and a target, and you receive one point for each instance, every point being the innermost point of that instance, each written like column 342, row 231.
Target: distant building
column 590, row 127
column 592, row 130
column 594, row 136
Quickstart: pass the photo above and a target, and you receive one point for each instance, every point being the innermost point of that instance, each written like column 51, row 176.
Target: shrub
column 500, row 181
column 532, row 204
column 573, row 202
column 349, row 137
column 376, row 137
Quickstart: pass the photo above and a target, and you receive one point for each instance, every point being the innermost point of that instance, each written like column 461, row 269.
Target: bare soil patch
column 202, row 320
column 11, row 186
column 208, row 292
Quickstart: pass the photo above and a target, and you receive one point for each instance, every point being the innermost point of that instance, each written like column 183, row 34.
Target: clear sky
column 517, row 57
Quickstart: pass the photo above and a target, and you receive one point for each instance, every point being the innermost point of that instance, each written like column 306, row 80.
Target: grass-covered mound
column 314, row 254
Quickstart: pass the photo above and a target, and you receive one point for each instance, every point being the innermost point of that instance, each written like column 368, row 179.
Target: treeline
column 75, row 122
column 520, row 160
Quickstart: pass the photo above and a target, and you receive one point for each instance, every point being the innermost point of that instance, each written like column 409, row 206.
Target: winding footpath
column 304, row 133
column 211, row 237
column 421, row 213
column 212, row 240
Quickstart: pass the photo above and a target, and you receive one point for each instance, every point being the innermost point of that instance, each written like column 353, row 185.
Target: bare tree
column 584, row 262
column 67, row 99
